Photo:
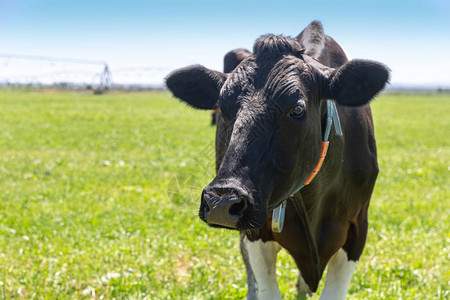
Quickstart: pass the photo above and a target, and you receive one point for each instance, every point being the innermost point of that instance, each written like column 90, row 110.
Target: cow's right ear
column 197, row 86
column 357, row 82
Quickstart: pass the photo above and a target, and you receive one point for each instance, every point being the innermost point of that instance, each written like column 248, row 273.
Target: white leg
column 339, row 274
column 303, row 288
column 260, row 259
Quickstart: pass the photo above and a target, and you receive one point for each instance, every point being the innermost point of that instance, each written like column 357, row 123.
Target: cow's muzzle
column 223, row 207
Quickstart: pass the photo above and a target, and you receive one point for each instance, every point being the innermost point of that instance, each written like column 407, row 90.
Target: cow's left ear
column 196, row 85
column 357, row 82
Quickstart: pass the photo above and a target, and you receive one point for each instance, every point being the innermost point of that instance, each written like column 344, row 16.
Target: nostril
column 205, row 206
column 238, row 207
column 206, row 210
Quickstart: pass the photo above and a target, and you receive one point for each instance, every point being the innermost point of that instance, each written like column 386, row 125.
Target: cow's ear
column 196, row 85
column 357, row 82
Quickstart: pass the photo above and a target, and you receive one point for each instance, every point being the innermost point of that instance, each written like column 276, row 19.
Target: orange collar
column 323, row 154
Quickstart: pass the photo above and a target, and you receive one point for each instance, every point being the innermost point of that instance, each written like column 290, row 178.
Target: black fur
column 272, row 47
column 357, row 82
column 196, row 85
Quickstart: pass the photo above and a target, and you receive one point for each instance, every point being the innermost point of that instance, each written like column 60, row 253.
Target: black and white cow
column 272, row 135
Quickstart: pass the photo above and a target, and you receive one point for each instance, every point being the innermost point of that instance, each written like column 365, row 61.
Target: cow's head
column 271, row 106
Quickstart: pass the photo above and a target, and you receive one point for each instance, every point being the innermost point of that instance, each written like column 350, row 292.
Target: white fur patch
column 262, row 258
column 339, row 274
column 303, row 288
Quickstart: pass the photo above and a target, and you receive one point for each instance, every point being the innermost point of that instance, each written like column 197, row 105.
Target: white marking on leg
column 303, row 288
column 262, row 258
column 339, row 274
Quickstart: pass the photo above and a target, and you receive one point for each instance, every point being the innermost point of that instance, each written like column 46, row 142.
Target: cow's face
column 270, row 105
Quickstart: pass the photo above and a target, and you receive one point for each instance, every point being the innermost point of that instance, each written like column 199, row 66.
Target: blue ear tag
column 335, row 116
column 278, row 217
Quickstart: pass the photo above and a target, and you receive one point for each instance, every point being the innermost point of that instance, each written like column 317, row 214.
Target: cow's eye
column 297, row 112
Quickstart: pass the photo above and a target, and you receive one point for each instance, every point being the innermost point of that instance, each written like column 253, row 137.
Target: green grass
column 99, row 199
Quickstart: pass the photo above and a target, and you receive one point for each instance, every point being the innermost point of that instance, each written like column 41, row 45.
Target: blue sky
column 412, row 37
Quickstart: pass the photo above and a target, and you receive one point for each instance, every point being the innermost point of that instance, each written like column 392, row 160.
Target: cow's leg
column 302, row 288
column 339, row 274
column 342, row 265
column 260, row 260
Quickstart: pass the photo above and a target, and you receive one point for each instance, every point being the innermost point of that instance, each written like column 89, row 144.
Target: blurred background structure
column 69, row 73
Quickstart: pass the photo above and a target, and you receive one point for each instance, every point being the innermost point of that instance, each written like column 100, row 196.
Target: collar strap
column 323, row 154
column 332, row 117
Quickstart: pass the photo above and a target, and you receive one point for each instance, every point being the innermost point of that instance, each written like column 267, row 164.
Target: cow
column 273, row 133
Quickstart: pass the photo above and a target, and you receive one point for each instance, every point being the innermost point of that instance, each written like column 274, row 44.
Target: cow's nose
column 223, row 210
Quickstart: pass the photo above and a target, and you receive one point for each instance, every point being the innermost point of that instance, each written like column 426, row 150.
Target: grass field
column 99, row 199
